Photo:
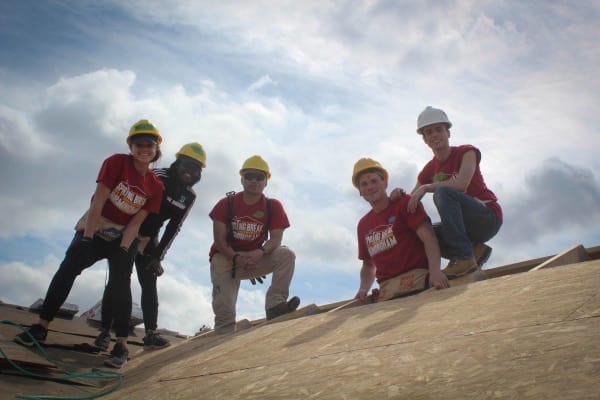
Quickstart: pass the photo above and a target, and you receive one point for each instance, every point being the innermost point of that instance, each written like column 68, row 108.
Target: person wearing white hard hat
column 469, row 211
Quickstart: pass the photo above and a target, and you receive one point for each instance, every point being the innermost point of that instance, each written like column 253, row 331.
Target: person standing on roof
column 177, row 201
column 126, row 192
column 396, row 247
column 469, row 212
column 248, row 231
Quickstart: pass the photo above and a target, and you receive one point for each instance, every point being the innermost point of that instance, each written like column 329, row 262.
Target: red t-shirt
column 436, row 171
column 390, row 241
column 130, row 192
column 249, row 221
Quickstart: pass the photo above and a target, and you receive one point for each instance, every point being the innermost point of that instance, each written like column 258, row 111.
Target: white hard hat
column 430, row 116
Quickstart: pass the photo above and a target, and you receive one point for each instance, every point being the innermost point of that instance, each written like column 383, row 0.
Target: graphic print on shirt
column 442, row 176
column 128, row 199
column 246, row 228
column 379, row 239
column 177, row 203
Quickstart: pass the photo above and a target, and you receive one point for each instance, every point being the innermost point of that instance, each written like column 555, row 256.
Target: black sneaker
column 153, row 340
column 118, row 356
column 36, row 333
column 283, row 308
column 103, row 340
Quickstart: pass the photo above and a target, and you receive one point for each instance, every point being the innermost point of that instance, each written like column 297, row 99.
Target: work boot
column 153, row 340
column 457, row 268
column 102, row 341
column 283, row 308
column 482, row 253
column 35, row 333
column 118, row 356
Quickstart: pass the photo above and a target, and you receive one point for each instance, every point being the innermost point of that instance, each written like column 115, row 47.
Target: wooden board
column 310, row 309
column 22, row 356
column 475, row 276
column 524, row 336
column 518, row 336
column 574, row 254
column 350, row 304
column 524, row 266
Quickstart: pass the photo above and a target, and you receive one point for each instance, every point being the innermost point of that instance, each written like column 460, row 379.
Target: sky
column 311, row 86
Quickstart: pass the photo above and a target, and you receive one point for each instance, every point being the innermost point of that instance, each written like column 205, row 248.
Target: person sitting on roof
column 177, row 201
column 396, row 247
column 248, row 230
column 469, row 212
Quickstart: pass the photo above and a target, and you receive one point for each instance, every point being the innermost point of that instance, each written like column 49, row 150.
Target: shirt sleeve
column 279, row 219
column 413, row 220
column 110, row 171
column 219, row 211
column 363, row 252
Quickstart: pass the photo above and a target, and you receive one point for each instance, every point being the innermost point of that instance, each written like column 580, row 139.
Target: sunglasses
column 254, row 176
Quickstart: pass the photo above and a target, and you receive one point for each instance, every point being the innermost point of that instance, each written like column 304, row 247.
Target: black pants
column 149, row 294
column 119, row 281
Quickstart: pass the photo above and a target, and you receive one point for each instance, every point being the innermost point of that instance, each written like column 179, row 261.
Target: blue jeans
column 464, row 221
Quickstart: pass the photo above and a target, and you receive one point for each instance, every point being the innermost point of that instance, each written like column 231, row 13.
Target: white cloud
column 184, row 305
column 312, row 87
column 264, row 80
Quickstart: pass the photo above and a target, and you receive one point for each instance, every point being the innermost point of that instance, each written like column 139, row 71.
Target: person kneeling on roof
column 248, row 230
column 398, row 248
column 469, row 211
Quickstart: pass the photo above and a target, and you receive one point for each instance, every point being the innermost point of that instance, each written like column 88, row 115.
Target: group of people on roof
column 398, row 245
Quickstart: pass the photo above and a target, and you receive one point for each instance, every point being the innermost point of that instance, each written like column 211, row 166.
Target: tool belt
column 404, row 284
column 106, row 229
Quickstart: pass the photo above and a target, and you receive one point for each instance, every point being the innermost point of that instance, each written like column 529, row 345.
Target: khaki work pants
column 225, row 288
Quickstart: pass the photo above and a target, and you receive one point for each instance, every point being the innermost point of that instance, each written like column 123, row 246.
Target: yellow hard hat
column 144, row 127
column 256, row 162
column 195, row 151
column 365, row 164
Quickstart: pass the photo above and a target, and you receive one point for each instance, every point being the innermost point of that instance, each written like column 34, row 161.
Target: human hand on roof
column 361, row 294
column 438, row 279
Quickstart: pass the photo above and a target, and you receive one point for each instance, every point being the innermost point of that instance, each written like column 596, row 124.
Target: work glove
column 258, row 278
column 155, row 266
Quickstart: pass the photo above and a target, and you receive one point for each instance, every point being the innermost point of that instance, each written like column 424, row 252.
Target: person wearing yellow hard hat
column 469, row 211
column 248, row 231
column 396, row 247
column 127, row 190
column 177, row 201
